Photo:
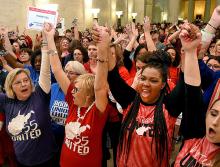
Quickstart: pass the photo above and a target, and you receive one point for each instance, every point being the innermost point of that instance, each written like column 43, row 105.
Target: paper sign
column 37, row 17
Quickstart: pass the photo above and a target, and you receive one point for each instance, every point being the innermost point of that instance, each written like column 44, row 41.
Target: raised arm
column 101, row 84
column 209, row 31
column 45, row 78
column 133, row 34
column 7, row 44
column 5, row 64
column 123, row 93
column 150, row 44
column 193, row 122
column 55, row 63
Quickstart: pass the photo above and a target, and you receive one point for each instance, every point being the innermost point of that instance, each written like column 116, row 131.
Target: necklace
column 83, row 116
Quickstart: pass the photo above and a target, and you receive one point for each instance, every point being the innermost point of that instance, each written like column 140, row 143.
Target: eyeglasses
column 20, row 82
column 77, row 54
column 71, row 72
column 214, row 66
column 75, row 90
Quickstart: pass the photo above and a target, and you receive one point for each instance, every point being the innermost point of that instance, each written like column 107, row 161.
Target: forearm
column 56, row 67
column 54, row 60
column 101, row 85
column 7, row 43
column 174, row 36
column 130, row 45
column 76, row 33
column 7, row 67
column 150, row 44
column 45, row 78
column 207, row 35
column 12, row 61
column 191, row 68
column 193, row 118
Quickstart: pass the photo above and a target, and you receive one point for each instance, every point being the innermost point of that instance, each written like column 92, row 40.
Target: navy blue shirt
column 209, row 79
column 29, row 126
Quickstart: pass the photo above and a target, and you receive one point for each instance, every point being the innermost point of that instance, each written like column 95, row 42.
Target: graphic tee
column 140, row 153
column 197, row 152
column 58, row 106
column 83, row 140
column 29, row 126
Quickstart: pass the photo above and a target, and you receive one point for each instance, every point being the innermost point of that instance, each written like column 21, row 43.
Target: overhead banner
column 37, row 17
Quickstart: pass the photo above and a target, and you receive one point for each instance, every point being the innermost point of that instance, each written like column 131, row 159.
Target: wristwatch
column 52, row 52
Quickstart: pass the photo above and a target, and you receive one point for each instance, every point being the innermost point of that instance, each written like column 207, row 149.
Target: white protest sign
column 37, row 17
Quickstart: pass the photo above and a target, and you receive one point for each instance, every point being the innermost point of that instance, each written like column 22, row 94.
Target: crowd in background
column 66, row 100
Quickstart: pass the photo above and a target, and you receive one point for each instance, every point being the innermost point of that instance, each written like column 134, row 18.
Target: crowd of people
column 65, row 100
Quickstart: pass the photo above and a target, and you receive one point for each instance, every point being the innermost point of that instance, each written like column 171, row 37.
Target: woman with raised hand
column 27, row 115
column 202, row 134
column 87, row 100
column 149, row 112
column 58, row 106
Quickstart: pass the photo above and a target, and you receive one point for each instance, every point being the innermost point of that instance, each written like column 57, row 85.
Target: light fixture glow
column 133, row 15
column 95, row 12
column 119, row 13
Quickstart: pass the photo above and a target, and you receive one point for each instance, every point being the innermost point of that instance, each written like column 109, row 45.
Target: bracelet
column 207, row 36
column 44, row 44
column 211, row 26
column 101, row 60
column 52, row 52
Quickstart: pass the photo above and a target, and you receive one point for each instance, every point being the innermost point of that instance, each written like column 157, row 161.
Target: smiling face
column 150, row 85
column 213, row 123
column 64, row 44
column 21, row 86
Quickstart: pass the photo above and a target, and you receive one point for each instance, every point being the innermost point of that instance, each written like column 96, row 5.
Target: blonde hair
column 216, row 44
column 10, row 78
column 87, row 83
column 76, row 67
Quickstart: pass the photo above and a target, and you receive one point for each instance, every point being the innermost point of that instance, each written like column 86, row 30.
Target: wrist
column 102, row 60
column 191, row 51
column 213, row 23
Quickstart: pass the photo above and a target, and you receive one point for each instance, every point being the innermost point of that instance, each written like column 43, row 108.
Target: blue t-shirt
column 58, row 109
column 209, row 79
column 29, row 126
column 33, row 73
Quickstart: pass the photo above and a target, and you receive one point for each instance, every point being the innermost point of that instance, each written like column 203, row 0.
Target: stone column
column 191, row 7
column 173, row 10
column 104, row 15
column 217, row 2
column 207, row 10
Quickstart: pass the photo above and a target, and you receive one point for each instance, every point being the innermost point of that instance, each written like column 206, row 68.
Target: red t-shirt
column 140, row 153
column 174, row 74
column 84, row 149
column 197, row 152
